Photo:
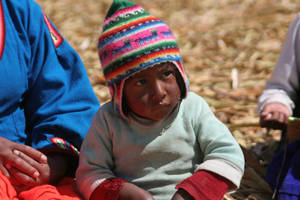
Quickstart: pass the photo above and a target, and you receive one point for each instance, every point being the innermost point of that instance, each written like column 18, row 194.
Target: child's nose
column 158, row 90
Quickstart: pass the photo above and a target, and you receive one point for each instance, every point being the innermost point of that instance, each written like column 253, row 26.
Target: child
column 154, row 139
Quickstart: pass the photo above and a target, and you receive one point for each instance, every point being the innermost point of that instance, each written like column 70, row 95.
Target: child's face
column 153, row 93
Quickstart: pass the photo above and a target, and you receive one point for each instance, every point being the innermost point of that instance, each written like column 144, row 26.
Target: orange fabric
column 7, row 191
column 65, row 190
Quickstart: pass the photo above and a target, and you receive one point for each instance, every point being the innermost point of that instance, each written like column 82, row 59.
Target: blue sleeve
column 60, row 102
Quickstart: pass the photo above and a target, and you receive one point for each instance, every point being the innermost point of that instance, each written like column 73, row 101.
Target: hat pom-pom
column 118, row 5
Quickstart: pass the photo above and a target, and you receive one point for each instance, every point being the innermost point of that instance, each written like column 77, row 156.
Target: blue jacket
column 46, row 99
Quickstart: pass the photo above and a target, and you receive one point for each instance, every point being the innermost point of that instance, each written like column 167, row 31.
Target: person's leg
column 283, row 173
column 290, row 187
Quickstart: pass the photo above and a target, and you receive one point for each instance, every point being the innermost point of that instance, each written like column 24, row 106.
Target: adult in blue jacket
column 46, row 99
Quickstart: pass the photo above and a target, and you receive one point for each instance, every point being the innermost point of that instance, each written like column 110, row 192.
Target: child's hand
column 182, row 195
column 130, row 191
column 9, row 158
column 274, row 115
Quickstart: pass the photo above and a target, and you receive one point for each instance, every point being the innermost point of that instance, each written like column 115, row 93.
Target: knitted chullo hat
column 131, row 41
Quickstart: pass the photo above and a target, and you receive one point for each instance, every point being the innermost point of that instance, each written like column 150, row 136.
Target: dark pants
column 283, row 173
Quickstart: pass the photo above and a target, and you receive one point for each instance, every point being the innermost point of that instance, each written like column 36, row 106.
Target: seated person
column 278, row 102
column 46, row 102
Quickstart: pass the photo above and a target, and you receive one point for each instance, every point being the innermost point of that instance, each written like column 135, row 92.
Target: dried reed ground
column 229, row 47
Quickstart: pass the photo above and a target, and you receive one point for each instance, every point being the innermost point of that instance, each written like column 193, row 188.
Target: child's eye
column 140, row 82
column 167, row 73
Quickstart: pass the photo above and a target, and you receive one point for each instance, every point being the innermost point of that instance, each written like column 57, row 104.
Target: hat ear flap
column 181, row 79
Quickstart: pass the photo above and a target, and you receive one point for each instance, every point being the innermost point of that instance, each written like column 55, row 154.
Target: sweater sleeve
column 205, row 185
column 96, row 161
column 222, row 153
column 283, row 84
column 108, row 189
column 59, row 103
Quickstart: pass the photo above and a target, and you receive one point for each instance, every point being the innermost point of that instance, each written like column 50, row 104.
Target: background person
column 279, row 101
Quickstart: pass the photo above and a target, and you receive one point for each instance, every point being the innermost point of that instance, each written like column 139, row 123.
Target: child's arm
column 118, row 189
column 222, row 166
column 283, row 86
column 222, row 154
column 202, row 185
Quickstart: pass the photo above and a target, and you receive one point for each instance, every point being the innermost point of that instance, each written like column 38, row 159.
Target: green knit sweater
column 158, row 155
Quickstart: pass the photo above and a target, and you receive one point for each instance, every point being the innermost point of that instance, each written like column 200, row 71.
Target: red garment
column 7, row 191
column 65, row 190
column 108, row 189
column 205, row 185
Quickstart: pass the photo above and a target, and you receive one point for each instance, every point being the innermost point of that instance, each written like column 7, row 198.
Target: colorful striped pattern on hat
column 133, row 40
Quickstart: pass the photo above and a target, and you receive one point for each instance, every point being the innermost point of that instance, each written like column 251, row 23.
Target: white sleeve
column 275, row 95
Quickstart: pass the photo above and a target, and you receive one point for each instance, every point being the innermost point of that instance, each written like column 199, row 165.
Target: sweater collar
column 163, row 124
